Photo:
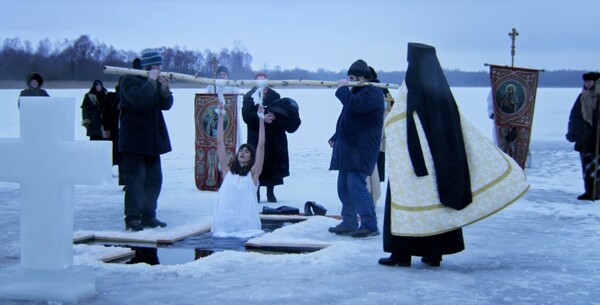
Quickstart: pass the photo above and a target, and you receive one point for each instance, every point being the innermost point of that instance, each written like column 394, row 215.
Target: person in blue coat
column 356, row 144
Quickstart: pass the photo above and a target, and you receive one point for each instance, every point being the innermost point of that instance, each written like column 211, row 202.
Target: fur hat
column 223, row 69
column 591, row 76
column 37, row 77
column 96, row 82
column 283, row 107
column 150, row 58
column 360, row 68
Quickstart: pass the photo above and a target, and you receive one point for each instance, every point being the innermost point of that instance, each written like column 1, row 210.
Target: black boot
column 588, row 184
column 270, row 194
column 433, row 261
column 395, row 260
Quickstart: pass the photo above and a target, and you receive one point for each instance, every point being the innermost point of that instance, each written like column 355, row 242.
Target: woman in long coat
column 281, row 117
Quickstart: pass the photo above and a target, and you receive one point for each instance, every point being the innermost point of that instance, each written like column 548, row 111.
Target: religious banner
column 206, row 169
column 513, row 96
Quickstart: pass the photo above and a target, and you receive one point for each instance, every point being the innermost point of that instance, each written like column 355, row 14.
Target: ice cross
column 47, row 163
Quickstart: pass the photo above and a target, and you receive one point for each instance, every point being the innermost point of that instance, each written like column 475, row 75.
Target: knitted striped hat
column 150, row 58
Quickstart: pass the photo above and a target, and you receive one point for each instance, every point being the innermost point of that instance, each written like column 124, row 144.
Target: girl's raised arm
column 221, row 154
column 260, row 146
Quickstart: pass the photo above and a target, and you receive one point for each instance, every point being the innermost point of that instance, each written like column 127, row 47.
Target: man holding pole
column 143, row 137
column 356, row 144
column 583, row 131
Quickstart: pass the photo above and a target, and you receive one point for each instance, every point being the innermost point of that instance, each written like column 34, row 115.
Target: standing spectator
column 356, row 144
column 277, row 164
column 110, row 125
column 583, row 131
column 34, row 87
column 223, row 73
column 91, row 111
column 143, row 137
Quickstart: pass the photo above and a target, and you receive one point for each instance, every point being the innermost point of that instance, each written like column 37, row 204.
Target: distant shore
column 110, row 85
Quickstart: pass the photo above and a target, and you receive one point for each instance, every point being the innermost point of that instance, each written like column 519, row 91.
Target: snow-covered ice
column 543, row 249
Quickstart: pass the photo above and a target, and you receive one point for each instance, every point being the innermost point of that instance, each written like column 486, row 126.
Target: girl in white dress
column 236, row 212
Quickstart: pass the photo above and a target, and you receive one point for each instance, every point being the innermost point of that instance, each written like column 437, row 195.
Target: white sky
column 312, row 34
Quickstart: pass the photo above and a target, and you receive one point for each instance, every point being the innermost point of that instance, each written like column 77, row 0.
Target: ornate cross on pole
column 513, row 36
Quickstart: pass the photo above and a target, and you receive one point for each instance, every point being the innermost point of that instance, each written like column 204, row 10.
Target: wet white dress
column 237, row 213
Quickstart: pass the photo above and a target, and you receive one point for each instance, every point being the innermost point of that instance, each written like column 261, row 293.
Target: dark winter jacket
column 358, row 131
column 276, row 162
column 142, row 126
column 579, row 131
column 110, row 112
column 91, row 111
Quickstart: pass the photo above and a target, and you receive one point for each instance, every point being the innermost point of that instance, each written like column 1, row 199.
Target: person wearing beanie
column 583, row 131
column 34, row 83
column 277, row 125
column 91, row 111
column 143, row 138
column 356, row 144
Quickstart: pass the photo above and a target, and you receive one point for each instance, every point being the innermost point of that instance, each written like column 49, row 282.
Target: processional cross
column 513, row 36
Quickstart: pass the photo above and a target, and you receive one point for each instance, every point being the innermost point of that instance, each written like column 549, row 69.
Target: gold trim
column 466, row 224
column 395, row 118
column 475, row 193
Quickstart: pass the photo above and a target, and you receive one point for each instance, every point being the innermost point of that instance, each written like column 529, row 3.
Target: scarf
column 588, row 105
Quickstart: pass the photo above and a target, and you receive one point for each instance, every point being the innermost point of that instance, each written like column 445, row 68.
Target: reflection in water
column 203, row 244
column 144, row 255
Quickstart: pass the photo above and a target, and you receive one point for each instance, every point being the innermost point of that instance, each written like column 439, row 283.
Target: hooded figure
column 430, row 97
column 443, row 174
column 34, row 83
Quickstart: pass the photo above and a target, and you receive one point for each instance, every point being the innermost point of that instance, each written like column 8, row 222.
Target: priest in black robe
column 429, row 96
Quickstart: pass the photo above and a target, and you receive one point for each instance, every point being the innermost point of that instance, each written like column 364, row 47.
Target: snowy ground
column 540, row 250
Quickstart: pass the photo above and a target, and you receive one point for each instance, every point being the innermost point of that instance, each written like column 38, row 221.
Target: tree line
column 82, row 59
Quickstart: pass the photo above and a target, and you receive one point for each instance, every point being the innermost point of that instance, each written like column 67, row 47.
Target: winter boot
column 588, row 184
column 271, row 194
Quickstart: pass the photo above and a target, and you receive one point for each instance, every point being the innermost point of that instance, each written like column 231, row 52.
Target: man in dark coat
column 583, row 131
column 110, row 124
column 143, row 137
column 281, row 117
column 34, row 87
column 430, row 97
column 356, row 144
